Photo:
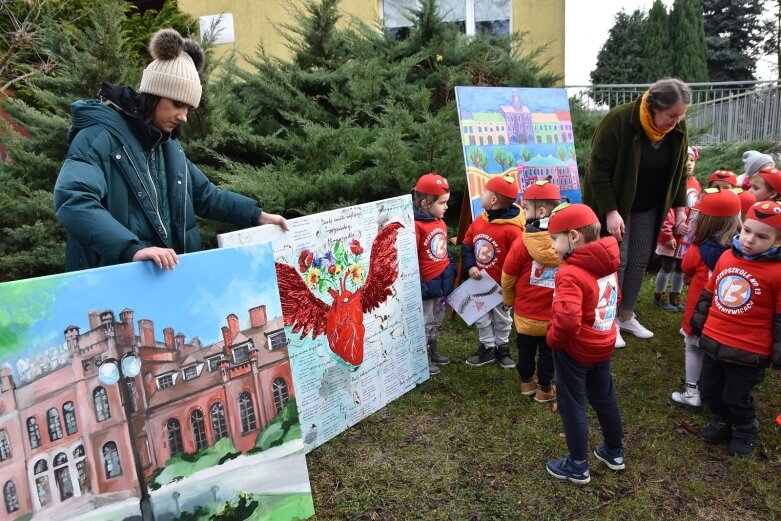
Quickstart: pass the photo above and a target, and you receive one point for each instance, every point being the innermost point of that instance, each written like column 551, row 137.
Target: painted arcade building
column 64, row 439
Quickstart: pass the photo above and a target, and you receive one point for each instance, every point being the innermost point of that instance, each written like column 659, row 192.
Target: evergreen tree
column 687, row 31
column 620, row 58
column 92, row 49
column 732, row 31
column 657, row 45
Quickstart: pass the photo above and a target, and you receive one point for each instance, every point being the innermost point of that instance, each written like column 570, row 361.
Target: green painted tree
column 732, row 32
column 657, row 44
column 503, row 158
column 687, row 32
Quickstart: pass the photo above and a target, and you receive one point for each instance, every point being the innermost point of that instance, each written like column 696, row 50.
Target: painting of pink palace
column 206, row 424
column 521, row 132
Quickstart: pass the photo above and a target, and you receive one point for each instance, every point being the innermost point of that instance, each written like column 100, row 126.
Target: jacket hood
column 421, row 216
column 117, row 109
column 540, row 247
column 710, row 251
column 601, row 258
column 511, row 215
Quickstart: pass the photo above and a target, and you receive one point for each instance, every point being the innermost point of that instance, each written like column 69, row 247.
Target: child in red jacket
column 485, row 246
column 581, row 334
column 437, row 269
column 667, row 245
column 527, row 283
column 718, row 222
column 744, row 291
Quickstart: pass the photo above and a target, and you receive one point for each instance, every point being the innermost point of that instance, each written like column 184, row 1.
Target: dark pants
column 576, row 383
column 726, row 390
column 530, row 347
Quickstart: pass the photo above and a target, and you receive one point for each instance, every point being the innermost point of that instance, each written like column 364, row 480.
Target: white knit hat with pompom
column 174, row 72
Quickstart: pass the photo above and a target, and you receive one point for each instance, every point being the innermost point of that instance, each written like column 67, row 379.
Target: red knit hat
column 772, row 177
column 503, row 185
column 718, row 203
column 746, row 199
column 542, row 190
column 724, row 175
column 567, row 216
column 432, row 184
column 768, row 212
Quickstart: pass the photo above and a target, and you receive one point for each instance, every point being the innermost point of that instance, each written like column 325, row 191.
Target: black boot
column 717, row 431
column 435, row 356
column 743, row 438
column 503, row 357
column 483, row 356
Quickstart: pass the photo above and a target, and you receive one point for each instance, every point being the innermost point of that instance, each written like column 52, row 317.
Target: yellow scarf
column 647, row 121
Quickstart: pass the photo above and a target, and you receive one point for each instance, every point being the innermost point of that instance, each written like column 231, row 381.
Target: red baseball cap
column 724, row 175
column 772, row 177
column 768, row 212
column 503, row 185
column 432, row 184
column 746, row 199
column 718, row 203
column 542, row 190
column 568, row 216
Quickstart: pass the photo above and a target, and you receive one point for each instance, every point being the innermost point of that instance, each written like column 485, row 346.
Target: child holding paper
column 485, row 246
column 527, row 282
column 437, row 269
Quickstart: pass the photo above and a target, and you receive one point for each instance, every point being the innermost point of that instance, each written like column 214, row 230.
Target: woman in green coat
column 636, row 173
column 126, row 191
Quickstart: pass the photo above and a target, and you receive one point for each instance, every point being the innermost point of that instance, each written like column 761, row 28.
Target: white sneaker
column 633, row 327
column 689, row 398
column 682, row 332
column 620, row 343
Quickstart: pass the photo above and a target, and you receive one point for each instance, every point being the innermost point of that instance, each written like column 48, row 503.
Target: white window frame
column 469, row 21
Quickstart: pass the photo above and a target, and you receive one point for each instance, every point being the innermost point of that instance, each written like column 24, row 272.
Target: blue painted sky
column 488, row 99
column 194, row 299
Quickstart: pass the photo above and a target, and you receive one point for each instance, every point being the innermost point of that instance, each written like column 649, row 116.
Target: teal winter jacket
column 107, row 200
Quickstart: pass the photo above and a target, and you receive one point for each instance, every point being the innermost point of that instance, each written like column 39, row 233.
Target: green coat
column 108, row 204
column 611, row 175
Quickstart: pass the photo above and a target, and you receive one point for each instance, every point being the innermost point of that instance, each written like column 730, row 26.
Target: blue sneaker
column 568, row 469
column 613, row 458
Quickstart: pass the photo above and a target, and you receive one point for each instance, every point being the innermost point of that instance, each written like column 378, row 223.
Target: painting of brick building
column 206, row 403
column 524, row 133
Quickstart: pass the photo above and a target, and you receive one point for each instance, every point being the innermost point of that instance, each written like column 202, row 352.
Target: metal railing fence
column 720, row 112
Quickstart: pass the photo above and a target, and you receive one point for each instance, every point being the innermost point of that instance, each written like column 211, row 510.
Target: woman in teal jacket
column 635, row 174
column 126, row 191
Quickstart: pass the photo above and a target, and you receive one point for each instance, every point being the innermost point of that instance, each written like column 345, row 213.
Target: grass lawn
column 467, row 445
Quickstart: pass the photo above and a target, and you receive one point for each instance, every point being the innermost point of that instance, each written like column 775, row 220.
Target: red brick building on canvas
column 64, row 442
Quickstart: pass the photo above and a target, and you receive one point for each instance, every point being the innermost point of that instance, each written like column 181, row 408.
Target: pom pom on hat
column 567, row 216
column 724, row 175
column 718, row 203
column 503, row 185
column 772, row 177
column 432, row 184
column 694, row 152
column 754, row 160
column 542, row 190
column 768, row 212
column 174, row 72
column 746, row 199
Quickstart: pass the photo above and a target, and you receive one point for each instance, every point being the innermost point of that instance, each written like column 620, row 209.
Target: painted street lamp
column 123, row 371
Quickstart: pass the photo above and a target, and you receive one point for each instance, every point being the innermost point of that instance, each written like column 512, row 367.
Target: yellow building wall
column 256, row 21
column 543, row 20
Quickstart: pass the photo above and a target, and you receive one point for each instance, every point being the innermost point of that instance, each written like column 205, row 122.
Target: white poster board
column 348, row 360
